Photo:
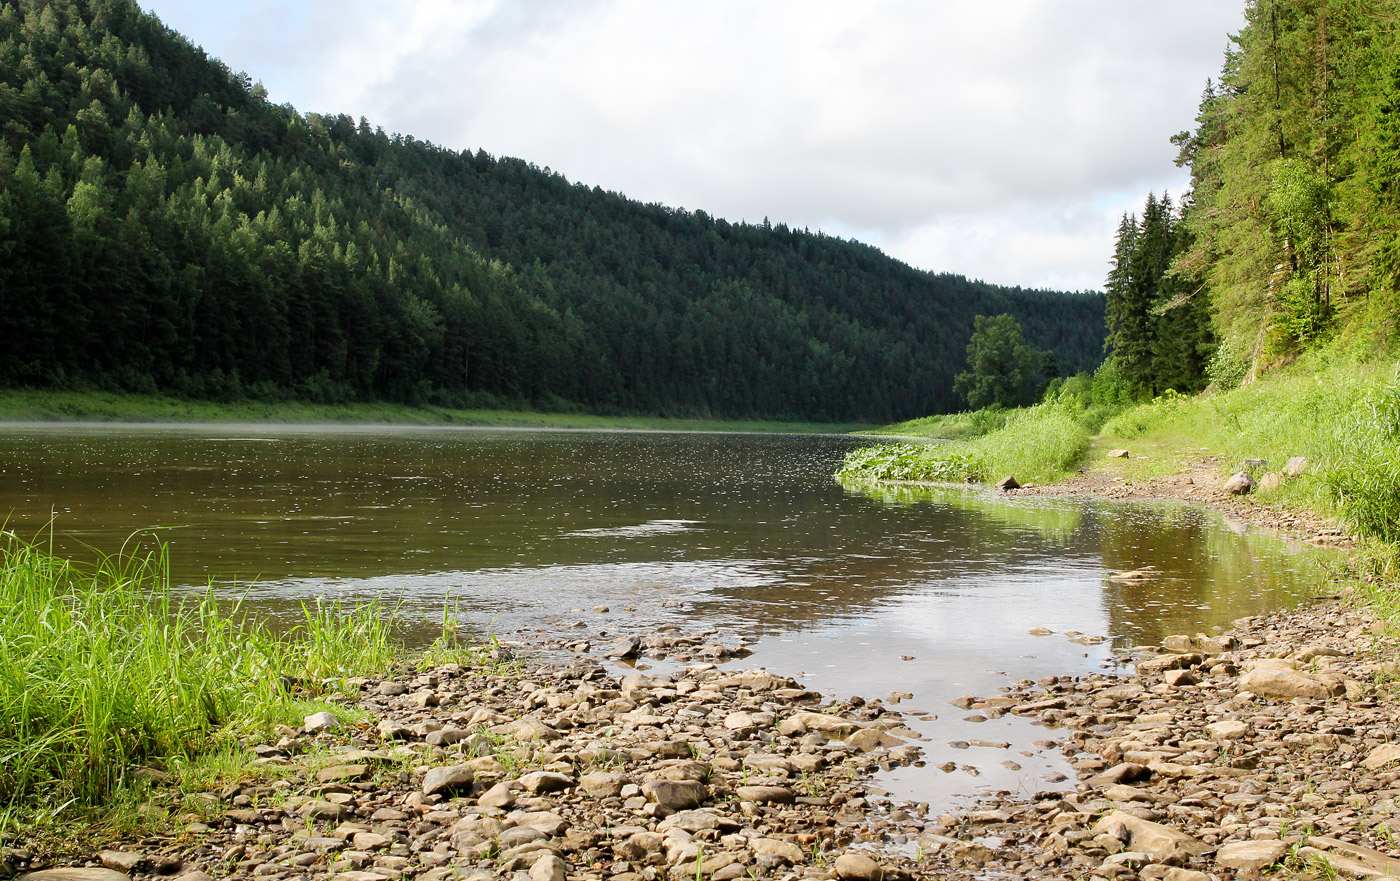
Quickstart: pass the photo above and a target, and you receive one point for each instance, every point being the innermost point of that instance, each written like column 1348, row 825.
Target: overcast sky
column 1000, row 140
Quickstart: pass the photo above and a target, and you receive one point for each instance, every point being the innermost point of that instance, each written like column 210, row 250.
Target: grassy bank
column 27, row 405
column 1342, row 416
column 1036, row 444
column 103, row 672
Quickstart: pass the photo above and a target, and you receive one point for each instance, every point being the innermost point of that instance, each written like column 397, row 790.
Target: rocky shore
column 1199, row 481
column 1268, row 748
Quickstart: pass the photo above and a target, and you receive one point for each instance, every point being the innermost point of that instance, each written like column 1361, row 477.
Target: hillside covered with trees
column 1289, row 238
column 163, row 227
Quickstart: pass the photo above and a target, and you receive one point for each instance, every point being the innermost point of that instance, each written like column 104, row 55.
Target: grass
column 27, row 405
column 950, row 426
column 103, row 672
column 1036, row 444
column 1341, row 415
column 1345, row 419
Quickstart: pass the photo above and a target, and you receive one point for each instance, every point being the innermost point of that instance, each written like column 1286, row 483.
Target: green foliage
column 1228, row 367
column 102, row 670
column 1144, row 418
column 1344, row 418
column 1158, row 329
column 1294, row 213
column 165, row 229
column 1002, row 370
column 1040, row 443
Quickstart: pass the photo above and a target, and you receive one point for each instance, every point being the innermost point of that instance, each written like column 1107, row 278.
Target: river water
column 859, row 589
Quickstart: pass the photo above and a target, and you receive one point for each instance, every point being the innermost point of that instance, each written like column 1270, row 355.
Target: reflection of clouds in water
column 520, row 596
column 651, row 527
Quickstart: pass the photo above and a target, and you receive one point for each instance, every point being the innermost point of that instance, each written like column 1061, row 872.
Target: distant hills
column 163, row 227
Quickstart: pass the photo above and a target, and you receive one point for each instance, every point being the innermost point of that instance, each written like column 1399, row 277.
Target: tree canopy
column 1002, row 371
column 163, row 227
column 1293, row 220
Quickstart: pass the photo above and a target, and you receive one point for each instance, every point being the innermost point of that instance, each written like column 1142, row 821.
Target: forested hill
column 164, row 227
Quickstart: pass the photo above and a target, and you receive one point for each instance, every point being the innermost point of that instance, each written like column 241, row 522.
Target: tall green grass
column 1344, row 418
column 102, row 670
column 1037, row 444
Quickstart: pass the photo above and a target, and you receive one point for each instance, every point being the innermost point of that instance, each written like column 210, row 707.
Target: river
column 857, row 589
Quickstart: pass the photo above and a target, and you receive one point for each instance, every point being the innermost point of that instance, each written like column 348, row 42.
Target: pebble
column 564, row 771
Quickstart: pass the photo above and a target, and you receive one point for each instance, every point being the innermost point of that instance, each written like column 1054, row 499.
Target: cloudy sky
column 999, row 140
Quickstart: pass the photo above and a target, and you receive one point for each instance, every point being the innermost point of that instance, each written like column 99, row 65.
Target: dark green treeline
column 1293, row 219
column 164, row 228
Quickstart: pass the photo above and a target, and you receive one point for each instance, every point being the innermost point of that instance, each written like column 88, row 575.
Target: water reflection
column 527, row 531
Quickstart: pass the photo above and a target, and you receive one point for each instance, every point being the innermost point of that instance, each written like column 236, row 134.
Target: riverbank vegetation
column 1255, row 317
column 165, row 228
column 107, row 678
column 46, row 405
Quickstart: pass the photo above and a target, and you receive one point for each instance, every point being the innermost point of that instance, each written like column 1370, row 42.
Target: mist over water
column 861, row 589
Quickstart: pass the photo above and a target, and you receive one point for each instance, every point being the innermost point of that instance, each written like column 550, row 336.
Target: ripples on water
column 745, row 533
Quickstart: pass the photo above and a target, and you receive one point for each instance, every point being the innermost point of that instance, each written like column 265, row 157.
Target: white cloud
column 985, row 139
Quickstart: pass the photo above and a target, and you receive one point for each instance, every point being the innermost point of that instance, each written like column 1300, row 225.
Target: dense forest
column 1290, row 236
column 164, row 227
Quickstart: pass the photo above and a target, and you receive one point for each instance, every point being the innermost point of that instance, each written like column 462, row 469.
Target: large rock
column 640, row 846
column 696, row 821
column 1250, row 856
column 1295, row 467
column 766, row 795
column 784, row 850
column 825, row 723
column 1350, row 860
column 541, row 782
column 77, row 874
column 452, row 778
column 1239, row 483
column 1381, row 756
column 1277, row 682
column 320, row 722
column 1124, row 772
column 549, row 868
column 1271, row 481
column 624, row 647
column 1170, row 661
column 1008, row 483
column 602, row 784
column 756, row 680
column 498, row 796
column 121, row 860
column 1229, row 729
column 858, row 867
column 678, row 795
column 1158, row 841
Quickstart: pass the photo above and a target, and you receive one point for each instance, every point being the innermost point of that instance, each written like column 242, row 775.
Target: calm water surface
column 862, row 590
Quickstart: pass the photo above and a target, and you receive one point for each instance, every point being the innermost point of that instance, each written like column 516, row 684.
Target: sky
column 999, row 140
